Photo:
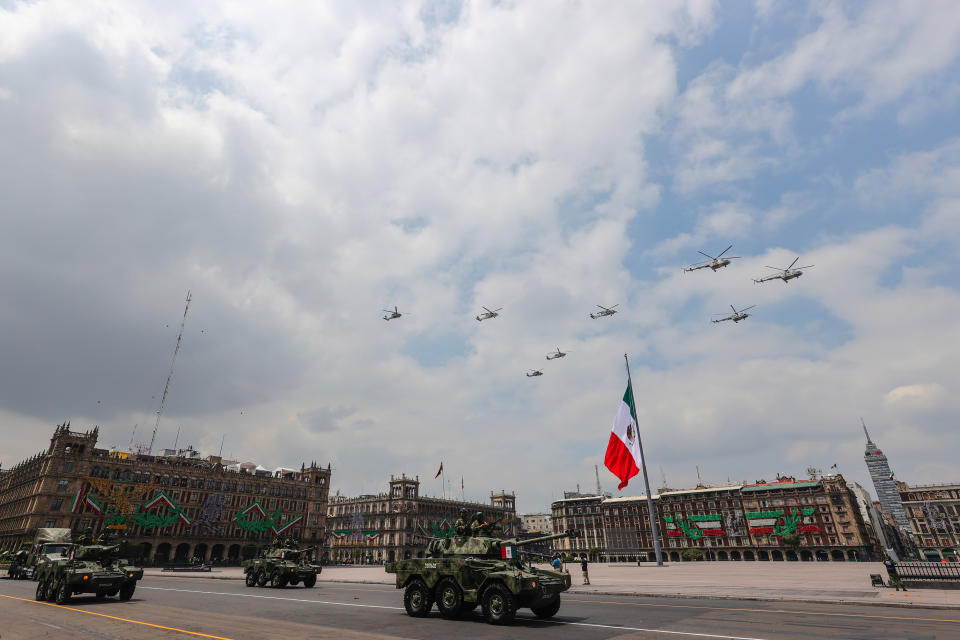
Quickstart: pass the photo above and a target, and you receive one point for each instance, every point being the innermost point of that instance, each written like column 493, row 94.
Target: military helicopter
column 489, row 314
column 788, row 274
column 534, row 373
column 554, row 356
column 714, row 263
column 391, row 315
column 606, row 311
column 736, row 316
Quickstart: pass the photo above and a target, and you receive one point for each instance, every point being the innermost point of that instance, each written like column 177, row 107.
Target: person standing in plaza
column 557, row 565
column 583, row 568
column 895, row 580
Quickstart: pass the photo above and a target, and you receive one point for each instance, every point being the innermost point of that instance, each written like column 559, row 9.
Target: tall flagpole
column 646, row 482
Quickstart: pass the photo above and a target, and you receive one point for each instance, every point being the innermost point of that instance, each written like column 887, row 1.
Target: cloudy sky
column 301, row 168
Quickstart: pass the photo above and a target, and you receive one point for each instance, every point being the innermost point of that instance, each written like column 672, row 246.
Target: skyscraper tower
column 883, row 482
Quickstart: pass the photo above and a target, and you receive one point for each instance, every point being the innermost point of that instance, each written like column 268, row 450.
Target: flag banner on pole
column 506, row 553
column 623, row 449
column 78, row 501
column 439, row 471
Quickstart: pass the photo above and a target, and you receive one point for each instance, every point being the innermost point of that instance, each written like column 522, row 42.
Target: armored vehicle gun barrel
column 514, row 542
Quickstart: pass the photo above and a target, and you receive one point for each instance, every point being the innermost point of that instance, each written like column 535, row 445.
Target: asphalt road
column 226, row 609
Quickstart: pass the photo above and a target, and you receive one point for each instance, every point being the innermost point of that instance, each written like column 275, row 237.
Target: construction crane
column 166, row 387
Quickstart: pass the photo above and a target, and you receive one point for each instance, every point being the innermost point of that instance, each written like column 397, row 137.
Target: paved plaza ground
column 830, row 582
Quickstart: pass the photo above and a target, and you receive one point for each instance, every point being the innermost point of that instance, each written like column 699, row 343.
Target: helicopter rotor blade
column 774, row 268
column 747, row 308
column 734, row 310
column 725, row 250
column 706, row 254
column 807, row 267
column 793, row 263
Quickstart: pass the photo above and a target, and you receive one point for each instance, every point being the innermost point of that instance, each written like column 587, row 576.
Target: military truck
column 280, row 565
column 462, row 572
column 86, row 568
column 47, row 541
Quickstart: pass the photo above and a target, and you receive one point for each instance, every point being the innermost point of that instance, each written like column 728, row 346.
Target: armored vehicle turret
column 85, row 568
column 464, row 571
column 48, row 541
column 280, row 565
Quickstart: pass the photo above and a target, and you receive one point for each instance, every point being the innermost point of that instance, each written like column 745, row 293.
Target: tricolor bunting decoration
column 287, row 525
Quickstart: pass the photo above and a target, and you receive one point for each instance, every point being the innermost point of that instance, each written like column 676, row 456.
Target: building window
column 61, row 487
column 56, row 504
column 50, row 524
column 67, row 467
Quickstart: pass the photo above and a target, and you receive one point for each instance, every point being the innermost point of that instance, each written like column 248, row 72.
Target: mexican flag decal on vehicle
column 506, row 553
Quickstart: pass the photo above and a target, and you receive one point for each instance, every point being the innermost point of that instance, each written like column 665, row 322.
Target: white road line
column 253, row 595
column 379, row 606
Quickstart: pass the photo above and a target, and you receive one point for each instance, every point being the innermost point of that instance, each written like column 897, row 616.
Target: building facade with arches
column 178, row 505
column 398, row 524
column 784, row 520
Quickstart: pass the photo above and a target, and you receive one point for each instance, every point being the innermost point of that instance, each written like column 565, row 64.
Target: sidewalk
column 824, row 582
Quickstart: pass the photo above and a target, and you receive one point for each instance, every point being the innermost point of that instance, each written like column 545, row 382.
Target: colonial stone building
column 398, row 524
column 816, row 519
column 536, row 523
column 934, row 515
column 581, row 512
column 178, row 505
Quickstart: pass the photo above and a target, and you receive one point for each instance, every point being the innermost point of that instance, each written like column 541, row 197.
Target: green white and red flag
column 623, row 457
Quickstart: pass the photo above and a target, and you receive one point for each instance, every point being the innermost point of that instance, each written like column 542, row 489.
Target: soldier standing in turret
column 478, row 526
column 461, row 527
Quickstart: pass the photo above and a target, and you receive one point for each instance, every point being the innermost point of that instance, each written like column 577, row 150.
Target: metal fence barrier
column 929, row 571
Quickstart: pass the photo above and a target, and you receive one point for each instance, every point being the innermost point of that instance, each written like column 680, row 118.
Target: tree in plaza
column 692, row 554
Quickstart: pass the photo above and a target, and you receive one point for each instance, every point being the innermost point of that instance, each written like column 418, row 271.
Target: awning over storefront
column 930, row 553
column 948, row 552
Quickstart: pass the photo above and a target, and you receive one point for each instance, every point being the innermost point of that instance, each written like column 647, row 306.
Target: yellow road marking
column 802, row 613
column 103, row 615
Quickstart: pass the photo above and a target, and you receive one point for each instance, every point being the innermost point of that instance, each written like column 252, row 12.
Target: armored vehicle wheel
column 278, row 580
column 62, row 592
column 499, row 605
column 261, row 578
column 449, row 598
column 101, row 594
column 127, row 589
column 417, row 599
column 251, row 579
column 42, row 590
column 547, row 608
column 309, row 581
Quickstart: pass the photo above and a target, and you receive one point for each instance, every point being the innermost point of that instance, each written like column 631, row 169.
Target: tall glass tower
column 883, row 482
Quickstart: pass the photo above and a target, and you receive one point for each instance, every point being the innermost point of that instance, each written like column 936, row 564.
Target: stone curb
column 646, row 594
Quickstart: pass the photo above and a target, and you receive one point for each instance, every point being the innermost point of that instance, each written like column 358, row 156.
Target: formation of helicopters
column 714, row 263
column 718, row 262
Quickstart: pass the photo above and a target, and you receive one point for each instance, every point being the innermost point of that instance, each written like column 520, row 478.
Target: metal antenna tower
column 166, row 387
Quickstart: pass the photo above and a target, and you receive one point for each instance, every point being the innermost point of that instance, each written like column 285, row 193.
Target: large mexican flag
column 623, row 450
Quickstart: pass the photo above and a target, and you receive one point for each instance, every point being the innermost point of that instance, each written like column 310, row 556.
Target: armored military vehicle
column 464, row 571
column 280, row 565
column 85, row 568
column 47, row 541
